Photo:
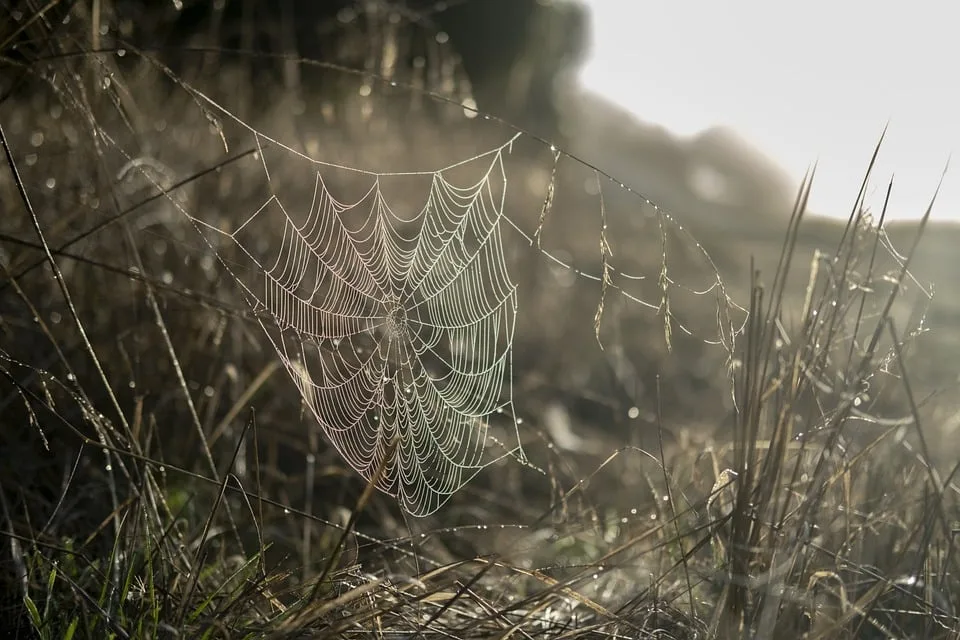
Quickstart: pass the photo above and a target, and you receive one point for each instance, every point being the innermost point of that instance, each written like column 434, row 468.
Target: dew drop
column 633, row 413
column 470, row 108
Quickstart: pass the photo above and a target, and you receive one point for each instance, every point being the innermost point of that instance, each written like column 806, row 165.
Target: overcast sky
column 815, row 80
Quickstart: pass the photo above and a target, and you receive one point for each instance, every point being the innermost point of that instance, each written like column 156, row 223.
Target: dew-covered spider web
column 396, row 325
column 397, row 300
column 396, row 315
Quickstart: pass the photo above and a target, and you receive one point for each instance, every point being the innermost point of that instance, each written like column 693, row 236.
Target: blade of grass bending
column 869, row 275
column 194, row 296
column 862, row 193
column 242, row 401
column 362, row 501
column 904, row 270
column 459, row 594
column 931, row 470
column 200, row 554
column 61, row 282
column 127, row 211
column 673, row 506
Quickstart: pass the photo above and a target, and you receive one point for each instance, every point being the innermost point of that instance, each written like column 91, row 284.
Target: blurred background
column 816, row 84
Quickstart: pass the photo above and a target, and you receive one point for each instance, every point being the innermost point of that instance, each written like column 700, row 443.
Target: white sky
column 803, row 81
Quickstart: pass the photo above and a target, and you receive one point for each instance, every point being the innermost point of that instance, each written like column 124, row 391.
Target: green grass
column 161, row 478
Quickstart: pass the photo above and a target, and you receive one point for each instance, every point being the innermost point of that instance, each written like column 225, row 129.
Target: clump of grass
column 161, row 481
column 831, row 518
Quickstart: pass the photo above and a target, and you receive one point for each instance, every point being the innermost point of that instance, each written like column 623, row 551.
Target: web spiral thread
column 395, row 328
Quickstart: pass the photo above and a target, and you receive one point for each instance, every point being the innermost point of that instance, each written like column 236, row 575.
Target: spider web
column 395, row 328
column 393, row 299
